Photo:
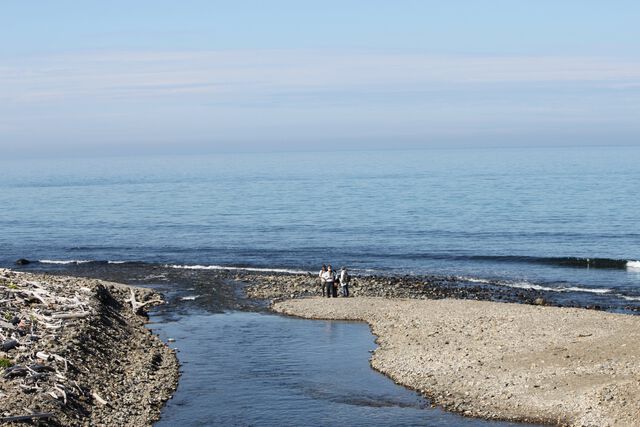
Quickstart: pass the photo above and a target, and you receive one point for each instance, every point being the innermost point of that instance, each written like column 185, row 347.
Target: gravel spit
column 493, row 360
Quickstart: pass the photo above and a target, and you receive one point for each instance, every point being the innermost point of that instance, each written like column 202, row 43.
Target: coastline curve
column 503, row 361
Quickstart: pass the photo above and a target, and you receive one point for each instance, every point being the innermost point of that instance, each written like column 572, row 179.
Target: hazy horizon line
column 314, row 150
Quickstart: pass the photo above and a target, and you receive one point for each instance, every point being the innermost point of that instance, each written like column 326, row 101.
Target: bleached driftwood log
column 99, row 399
column 137, row 306
column 63, row 316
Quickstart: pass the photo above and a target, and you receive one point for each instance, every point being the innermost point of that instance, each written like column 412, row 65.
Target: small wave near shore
column 233, row 268
column 565, row 293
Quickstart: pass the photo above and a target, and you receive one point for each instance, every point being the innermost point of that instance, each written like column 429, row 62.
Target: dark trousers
column 345, row 290
column 330, row 290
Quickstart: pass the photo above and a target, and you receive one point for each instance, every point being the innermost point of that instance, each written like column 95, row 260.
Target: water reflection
column 243, row 368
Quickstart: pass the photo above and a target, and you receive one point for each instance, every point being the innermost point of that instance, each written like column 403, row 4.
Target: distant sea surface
column 562, row 219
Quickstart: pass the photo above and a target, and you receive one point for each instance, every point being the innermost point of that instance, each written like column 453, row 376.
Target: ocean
column 556, row 219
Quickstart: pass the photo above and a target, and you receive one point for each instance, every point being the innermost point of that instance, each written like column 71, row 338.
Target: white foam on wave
column 519, row 285
column 474, row 280
column 528, row 285
column 223, row 267
column 628, row 298
column 633, row 265
column 64, row 262
column 592, row 290
column 75, row 261
column 190, row 298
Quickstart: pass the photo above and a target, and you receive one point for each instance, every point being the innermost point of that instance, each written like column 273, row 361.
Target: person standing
column 334, row 288
column 321, row 276
column 329, row 279
column 344, row 282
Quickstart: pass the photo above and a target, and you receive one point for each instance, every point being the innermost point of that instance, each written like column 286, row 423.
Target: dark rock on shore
column 282, row 286
column 8, row 345
column 23, row 261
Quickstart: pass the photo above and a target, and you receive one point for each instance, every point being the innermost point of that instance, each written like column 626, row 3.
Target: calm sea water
column 563, row 219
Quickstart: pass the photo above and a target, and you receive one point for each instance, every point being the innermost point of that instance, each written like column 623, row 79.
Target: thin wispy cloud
column 295, row 75
column 298, row 98
column 122, row 75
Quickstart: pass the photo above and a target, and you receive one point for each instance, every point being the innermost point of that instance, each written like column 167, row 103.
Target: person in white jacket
column 329, row 278
column 320, row 275
column 344, row 282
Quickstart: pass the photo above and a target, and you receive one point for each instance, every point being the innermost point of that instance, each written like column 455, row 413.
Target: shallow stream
column 260, row 369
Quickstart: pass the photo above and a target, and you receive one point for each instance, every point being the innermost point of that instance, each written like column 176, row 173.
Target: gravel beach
column 75, row 353
column 517, row 362
column 276, row 287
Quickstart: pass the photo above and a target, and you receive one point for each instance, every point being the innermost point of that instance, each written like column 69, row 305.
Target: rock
column 15, row 371
column 23, row 261
column 539, row 301
column 9, row 344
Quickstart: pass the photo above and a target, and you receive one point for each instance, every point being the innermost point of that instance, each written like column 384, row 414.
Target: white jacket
column 328, row 276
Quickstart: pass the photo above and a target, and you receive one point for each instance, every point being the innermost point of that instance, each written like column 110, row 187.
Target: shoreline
column 282, row 286
column 218, row 291
column 514, row 362
column 269, row 285
column 79, row 354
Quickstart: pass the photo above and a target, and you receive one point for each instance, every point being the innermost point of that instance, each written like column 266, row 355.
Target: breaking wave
column 64, row 262
column 225, row 267
column 523, row 284
column 584, row 262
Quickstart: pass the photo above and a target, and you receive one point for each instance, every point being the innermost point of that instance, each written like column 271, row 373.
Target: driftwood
column 99, row 399
column 36, row 315
column 44, row 321
column 64, row 316
column 47, row 357
column 60, row 389
column 35, row 318
column 6, row 325
column 33, row 294
column 137, row 306
column 26, row 417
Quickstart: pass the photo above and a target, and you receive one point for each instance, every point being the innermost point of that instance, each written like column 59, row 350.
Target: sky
column 118, row 77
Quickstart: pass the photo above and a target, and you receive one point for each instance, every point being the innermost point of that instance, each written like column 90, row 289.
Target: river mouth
column 242, row 365
column 251, row 368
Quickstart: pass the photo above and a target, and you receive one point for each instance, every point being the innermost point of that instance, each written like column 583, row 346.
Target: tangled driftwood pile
column 33, row 317
column 63, row 344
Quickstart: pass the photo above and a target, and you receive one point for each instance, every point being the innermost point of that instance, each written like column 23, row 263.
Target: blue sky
column 195, row 76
